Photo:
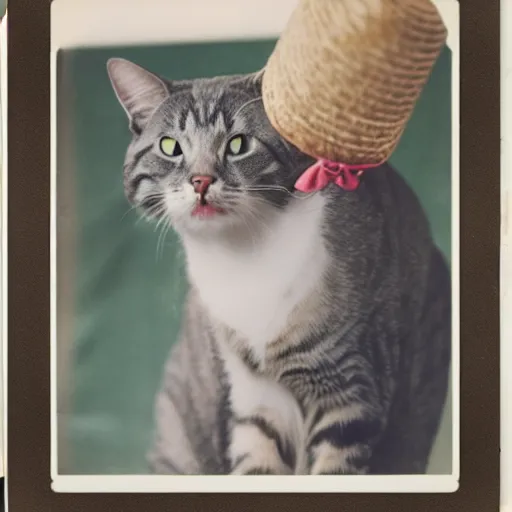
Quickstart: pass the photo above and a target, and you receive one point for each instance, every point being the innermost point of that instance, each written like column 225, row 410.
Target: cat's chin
column 206, row 221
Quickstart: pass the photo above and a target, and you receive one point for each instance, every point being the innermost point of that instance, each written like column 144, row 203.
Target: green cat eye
column 237, row 145
column 170, row 146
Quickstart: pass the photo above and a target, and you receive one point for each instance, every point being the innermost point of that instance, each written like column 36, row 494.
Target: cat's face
column 203, row 153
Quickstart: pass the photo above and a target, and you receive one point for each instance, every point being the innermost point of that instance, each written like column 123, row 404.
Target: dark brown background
column 29, row 289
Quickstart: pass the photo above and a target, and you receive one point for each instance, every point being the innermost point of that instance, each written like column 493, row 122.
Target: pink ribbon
column 323, row 172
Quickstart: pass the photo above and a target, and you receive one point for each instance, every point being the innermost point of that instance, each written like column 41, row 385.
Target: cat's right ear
column 139, row 91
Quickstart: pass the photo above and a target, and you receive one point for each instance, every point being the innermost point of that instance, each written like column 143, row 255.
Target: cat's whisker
column 272, row 188
column 161, row 238
column 160, row 221
column 134, row 207
column 167, row 228
column 249, row 231
column 159, row 245
column 148, row 214
column 247, row 103
column 140, row 218
column 143, row 217
column 157, row 251
column 265, row 201
column 257, row 216
column 245, row 188
column 261, row 200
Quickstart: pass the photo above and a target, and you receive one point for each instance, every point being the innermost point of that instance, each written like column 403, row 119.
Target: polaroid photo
column 210, row 324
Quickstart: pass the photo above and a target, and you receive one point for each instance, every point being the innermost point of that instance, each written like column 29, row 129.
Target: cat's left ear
column 139, row 91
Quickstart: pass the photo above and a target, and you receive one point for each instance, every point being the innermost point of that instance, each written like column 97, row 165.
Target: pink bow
column 323, row 172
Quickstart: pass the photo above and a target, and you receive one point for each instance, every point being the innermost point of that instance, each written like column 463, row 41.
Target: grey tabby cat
column 316, row 338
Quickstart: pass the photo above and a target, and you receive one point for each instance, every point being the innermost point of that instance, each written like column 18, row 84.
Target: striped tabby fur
column 316, row 338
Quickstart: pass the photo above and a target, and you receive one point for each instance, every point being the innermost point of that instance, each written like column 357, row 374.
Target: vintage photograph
column 255, row 245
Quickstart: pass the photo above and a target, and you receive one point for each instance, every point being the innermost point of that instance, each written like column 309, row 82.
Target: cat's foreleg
column 341, row 438
column 258, row 447
column 266, row 423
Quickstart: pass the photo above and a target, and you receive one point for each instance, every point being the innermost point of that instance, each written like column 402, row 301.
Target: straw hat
column 345, row 75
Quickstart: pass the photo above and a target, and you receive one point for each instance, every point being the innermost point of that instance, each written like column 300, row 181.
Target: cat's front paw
column 249, row 464
column 257, row 448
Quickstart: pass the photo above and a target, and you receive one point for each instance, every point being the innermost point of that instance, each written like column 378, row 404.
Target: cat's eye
column 170, row 146
column 237, row 145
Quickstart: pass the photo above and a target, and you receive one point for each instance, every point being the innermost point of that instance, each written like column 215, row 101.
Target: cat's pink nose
column 201, row 183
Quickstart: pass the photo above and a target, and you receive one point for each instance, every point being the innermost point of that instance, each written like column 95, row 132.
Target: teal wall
column 126, row 296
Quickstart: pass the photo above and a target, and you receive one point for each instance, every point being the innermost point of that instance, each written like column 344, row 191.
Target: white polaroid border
column 3, row 250
column 94, row 23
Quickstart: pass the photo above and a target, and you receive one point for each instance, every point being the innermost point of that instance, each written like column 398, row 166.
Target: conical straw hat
column 345, row 75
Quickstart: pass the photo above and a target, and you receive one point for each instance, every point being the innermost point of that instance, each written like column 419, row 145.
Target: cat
column 317, row 329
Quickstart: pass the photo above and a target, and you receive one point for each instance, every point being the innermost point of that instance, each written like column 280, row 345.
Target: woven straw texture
column 345, row 75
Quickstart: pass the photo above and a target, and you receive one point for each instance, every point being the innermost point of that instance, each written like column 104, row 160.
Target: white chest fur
column 255, row 293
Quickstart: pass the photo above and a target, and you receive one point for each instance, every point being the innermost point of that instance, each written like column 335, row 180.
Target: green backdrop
column 124, row 300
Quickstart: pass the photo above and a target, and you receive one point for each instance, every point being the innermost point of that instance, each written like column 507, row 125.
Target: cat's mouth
column 203, row 209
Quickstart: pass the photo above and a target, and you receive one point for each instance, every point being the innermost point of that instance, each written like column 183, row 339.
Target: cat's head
column 203, row 153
